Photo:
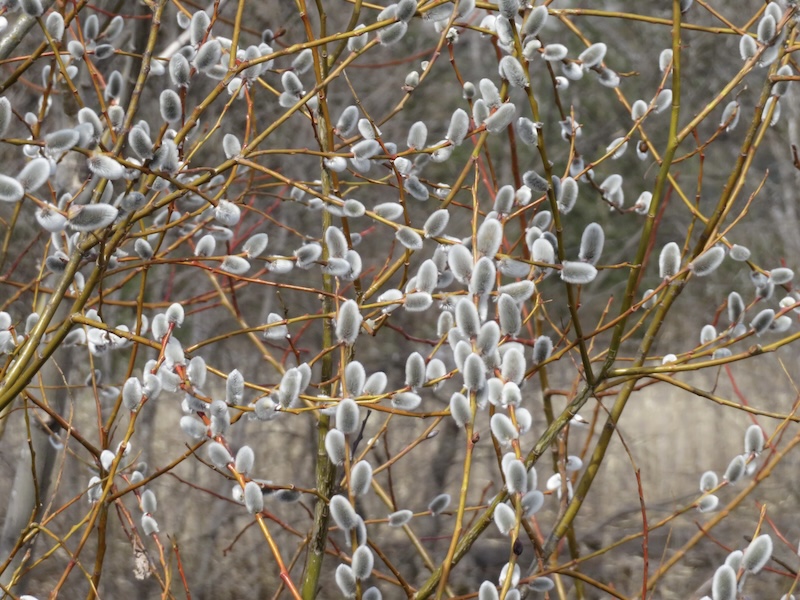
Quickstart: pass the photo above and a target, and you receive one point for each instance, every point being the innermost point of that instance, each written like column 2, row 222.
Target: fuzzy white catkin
column 245, row 459
column 459, row 126
column 34, row 174
column 504, row 200
column 193, row 428
column 734, row 559
column 503, row 429
column 723, row 585
column 415, row 370
column 669, row 261
column 617, row 147
column 532, row 502
column 513, row 368
column 520, row 291
column 735, row 307
column 638, row 110
column 335, row 446
column 348, row 322
column 11, row 190
column 400, row 518
column 474, row 372
column 140, row 142
column 347, row 416
column 708, row 481
column 253, row 498
column 149, row 502
column 578, row 273
column 467, row 318
column 568, row 195
column 290, row 386
column 61, row 141
column 663, row 100
column 198, row 27
column 234, row 387
column 179, row 70
column 149, row 525
column 766, row 29
column 762, row 321
column 489, row 237
column 516, row 477
column 346, row 581
column 343, row 513
column 483, row 277
column 781, row 276
column 757, row 554
column 509, row 315
column 487, row 590
column 488, row 338
column 554, row 52
column 416, row 188
column 459, row 259
column 170, row 105
column 593, row 55
column 461, row 347
column 708, row 334
column 389, row 210
column 409, row 238
column 542, row 251
column 460, row 409
column 527, row 132
column 363, row 560
column 504, row 518
column 393, row 33
column 89, row 217
column 535, row 182
column 735, row 470
column 436, row 223
column 542, row 348
column 354, row 377
column 781, row 87
column 231, row 145
column 707, row 262
column 360, row 478
column 206, row 246
column 372, row 593
column 444, row 323
column 418, row 301
column 132, row 393
column 536, row 20
column 347, row 121
column 55, row 26
column 219, row 455
column 439, row 504
column 501, row 118
column 406, row 401
column 417, row 136
column 592, row 242
column 143, row 249
column 511, row 70
column 335, row 242
column 753, row 440
column 708, row 503
column 255, row 245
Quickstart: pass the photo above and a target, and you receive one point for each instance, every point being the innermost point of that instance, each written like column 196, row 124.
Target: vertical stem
column 582, row 489
column 462, row 499
column 325, row 470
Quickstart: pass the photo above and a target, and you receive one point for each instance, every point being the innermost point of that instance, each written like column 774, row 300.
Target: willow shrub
column 368, row 226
